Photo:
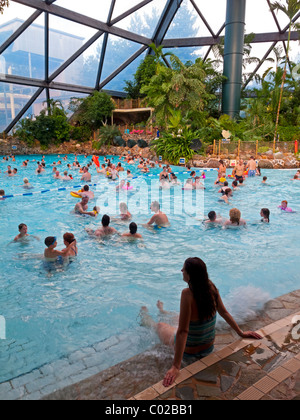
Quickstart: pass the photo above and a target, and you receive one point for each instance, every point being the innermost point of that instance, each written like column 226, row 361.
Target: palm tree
column 291, row 8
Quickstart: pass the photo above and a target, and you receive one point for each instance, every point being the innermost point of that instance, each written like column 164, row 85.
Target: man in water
column 239, row 170
column 82, row 208
column 251, row 165
column 85, row 193
column 105, row 229
column 159, row 219
column 86, row 175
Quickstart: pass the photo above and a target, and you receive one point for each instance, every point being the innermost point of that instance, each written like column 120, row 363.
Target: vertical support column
column 47, row 56
column 233, row 56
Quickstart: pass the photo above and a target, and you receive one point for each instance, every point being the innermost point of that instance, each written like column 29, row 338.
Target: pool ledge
column 239, row 369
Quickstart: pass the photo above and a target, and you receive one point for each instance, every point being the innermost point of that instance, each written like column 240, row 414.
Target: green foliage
column 107, row 134
column 92, row 111
column 172, row 147
column 143, row 75
column 51, row 126
column 25, row 131
column 80, row 133
column 181, row 87
column 263, row 149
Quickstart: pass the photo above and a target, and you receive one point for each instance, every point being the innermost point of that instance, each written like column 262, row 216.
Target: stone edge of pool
column 77, row 376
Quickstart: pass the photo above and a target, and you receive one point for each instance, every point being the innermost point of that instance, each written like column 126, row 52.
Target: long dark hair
column 204, row 291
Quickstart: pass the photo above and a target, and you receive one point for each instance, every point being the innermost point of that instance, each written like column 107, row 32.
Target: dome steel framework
column 233, row 43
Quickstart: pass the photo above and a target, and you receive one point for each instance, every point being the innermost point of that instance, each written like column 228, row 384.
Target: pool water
column 100, row 294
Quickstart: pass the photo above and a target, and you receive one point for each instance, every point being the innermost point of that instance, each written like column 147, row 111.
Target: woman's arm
column 181, row 338
column 230, row 321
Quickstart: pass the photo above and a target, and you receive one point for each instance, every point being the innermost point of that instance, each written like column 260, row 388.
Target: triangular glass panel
column 144, row 20
column 25, row 56
column 97, row 9
column 83, row 71
column 186, row 23
column 118, row 83
column 212, row 14
column 15, row 15
column 118, row 51
column 13, row 98
column 65, row 98
column 187, row 54
column 63, row 44
column 122, row 6
column 259, row 18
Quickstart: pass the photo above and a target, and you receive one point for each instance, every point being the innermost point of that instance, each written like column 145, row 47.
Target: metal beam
column 25, row 81
column 165, row 21
column 210, row 41
column 85, row 20
column 104, row 45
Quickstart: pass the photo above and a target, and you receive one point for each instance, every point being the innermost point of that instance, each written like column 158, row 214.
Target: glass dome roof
column 58, row 49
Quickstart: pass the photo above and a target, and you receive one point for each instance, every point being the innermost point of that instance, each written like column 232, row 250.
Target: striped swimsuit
column 200, row 334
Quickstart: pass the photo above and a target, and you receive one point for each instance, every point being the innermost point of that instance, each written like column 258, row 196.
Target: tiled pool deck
column 239, row 369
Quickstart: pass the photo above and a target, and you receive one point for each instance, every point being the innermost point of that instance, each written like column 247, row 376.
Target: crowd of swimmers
column 200, row 301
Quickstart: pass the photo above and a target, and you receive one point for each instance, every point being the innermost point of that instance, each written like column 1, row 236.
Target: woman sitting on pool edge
column 196, row 332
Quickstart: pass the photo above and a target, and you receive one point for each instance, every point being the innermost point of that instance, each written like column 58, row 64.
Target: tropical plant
column 92, row 111
column 143, row 75
column 181, row 87
column 290, row 10
column 173, row 147
column 107, row 134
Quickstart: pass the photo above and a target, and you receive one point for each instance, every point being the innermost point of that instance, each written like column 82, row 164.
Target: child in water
column 284, row 207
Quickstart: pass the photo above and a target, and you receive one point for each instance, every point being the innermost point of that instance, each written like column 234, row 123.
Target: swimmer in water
column 226, row 196
column 213, row 219
column 125, row 215
column 265, row 214
column 82, row 208
column 284, row 207
column 159, row 219
column 51, row 254
column 2, row 194
column 132, row 232
column 235, row 219
column 85, row 192
column 71, row 249
column 26, row 184
column 105, row 229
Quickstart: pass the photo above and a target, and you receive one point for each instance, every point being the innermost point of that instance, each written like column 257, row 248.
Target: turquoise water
column 100, row 294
